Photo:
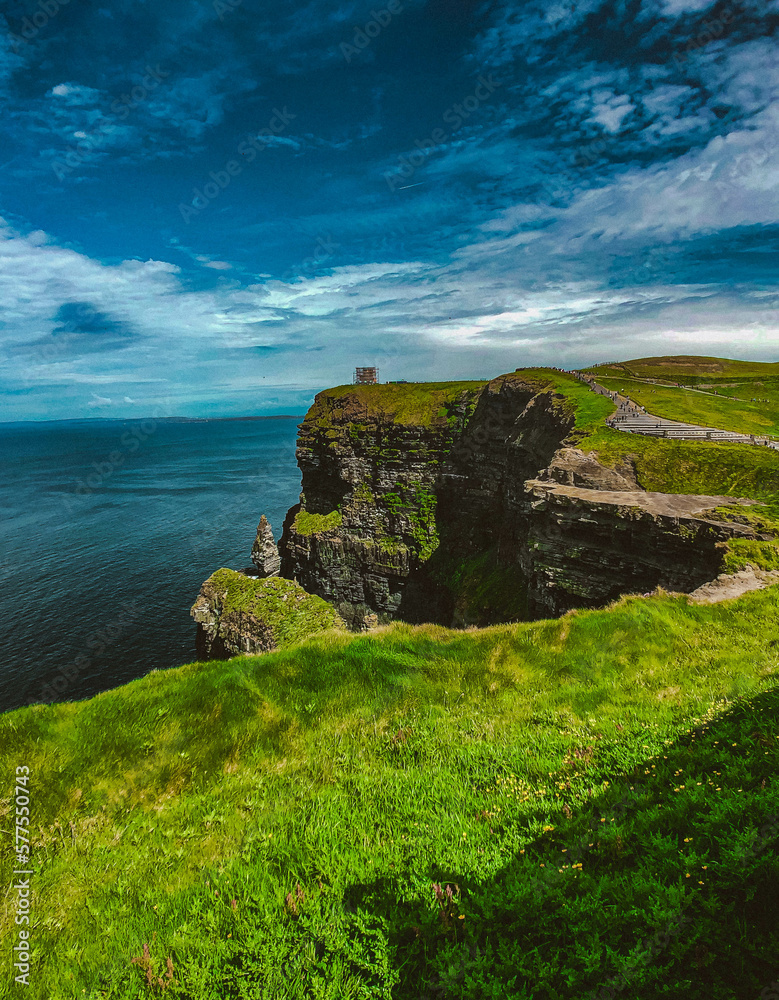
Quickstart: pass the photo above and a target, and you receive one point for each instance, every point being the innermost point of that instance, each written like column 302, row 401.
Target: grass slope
column 421, row 403
column 276, row 826
column 282, row 605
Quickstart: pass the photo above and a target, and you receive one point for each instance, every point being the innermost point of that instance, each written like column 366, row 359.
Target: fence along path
column 634, row 419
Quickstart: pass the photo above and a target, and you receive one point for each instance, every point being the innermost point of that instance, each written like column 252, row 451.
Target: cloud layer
column 209, row 210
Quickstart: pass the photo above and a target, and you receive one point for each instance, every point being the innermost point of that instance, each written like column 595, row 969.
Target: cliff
column 371, row 458
column 585, row 547
column 468, row 503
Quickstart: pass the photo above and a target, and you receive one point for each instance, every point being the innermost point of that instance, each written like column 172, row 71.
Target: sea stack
column 265, row 553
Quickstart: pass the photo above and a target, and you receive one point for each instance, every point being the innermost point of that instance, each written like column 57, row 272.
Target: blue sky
column 219, row 208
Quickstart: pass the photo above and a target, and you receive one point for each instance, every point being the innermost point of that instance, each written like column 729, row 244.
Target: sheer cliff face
column 403, row 495
column 463, row 503
column 371, row 458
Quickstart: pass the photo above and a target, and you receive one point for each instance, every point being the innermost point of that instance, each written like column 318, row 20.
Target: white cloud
column 610, row 110
column 280, row 140
column 732, row 182
column 676, row 8
column 99, row 401
column 479, row 314
column 75, row 94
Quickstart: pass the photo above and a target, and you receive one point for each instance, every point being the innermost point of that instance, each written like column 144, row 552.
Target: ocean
column 109, row 528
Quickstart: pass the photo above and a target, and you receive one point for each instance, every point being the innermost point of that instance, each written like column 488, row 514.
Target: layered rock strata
column 265, row 552
column 583, row 547
column 370, row 462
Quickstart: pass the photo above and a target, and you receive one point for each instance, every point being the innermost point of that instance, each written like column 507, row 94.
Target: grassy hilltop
column 550, row 810
column 731, row 395
column 691, row 369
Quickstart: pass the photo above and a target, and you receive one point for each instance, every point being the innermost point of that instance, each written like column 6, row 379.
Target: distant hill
column 688, row 369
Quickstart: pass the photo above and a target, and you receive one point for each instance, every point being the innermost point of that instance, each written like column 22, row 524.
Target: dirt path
column 729, row 586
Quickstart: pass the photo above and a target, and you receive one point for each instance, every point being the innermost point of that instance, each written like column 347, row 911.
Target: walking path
column 687, row 388
column 635, row 420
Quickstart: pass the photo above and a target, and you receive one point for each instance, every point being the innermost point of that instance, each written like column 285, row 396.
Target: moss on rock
column 307, row 523
column 241, row 614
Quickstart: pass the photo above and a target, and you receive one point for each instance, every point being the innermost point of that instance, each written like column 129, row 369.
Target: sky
column 221, row 207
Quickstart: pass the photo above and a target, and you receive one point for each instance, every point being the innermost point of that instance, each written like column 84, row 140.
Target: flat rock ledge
column 728, row 586
column 661, row 504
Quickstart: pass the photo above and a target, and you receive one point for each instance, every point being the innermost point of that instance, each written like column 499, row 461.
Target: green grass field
column 422, row 403
column 736, row 413
column 276, row 825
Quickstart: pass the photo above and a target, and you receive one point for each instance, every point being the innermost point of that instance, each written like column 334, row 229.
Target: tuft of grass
column 307, row 523
column 743, row 553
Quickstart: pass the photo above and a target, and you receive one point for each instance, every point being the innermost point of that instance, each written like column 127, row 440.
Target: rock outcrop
column 585, row 547
column 237, row 614
column 729, row 586
column 265, row 552
column 572, row 467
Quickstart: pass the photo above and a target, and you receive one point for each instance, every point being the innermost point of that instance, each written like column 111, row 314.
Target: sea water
column 108, row 529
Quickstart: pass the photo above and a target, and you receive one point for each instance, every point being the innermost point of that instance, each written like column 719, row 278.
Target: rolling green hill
column 688, row 369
